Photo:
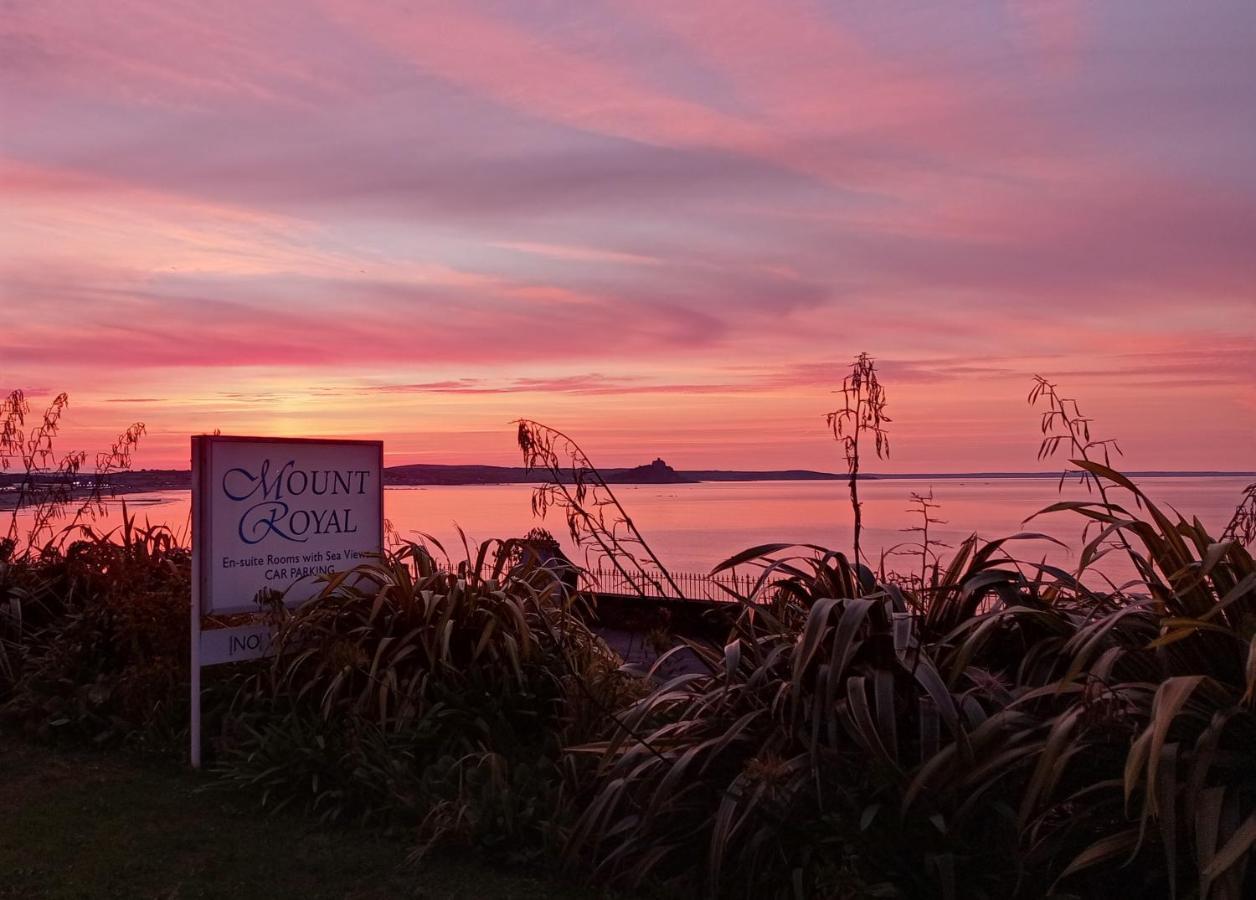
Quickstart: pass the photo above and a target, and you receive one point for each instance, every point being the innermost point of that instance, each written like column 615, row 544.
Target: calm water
column 695, row 526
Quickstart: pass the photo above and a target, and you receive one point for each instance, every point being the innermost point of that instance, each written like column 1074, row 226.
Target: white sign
column 273, row 513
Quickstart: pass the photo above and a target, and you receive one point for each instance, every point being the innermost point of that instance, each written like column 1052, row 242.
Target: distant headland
column 656, row 472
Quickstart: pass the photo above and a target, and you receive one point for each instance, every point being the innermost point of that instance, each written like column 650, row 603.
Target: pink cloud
column 646, row 219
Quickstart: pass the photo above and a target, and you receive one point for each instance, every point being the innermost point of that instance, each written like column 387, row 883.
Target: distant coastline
column 658, row 472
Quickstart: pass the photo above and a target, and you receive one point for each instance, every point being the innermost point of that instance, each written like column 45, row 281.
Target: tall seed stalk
column 1063, row 422
column 1064, row 425
column 596, row 520
column 923, row 506
column 47, row 486
column 1242, row 526
column 863, row 411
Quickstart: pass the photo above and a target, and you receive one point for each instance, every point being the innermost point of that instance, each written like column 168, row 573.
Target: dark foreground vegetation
column 982, row 727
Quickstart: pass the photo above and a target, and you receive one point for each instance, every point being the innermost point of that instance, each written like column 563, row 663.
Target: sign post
column 272, row 514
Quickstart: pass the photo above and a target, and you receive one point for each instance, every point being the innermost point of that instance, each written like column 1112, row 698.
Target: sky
column 663, row 227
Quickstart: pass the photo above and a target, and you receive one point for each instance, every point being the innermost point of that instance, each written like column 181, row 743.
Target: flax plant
column 1009, row 731
column 404, row 684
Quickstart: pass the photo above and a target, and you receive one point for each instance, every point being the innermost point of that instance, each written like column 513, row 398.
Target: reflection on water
column 695, row 526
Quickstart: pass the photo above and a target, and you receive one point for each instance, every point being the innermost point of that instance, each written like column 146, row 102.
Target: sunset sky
column 666, row 228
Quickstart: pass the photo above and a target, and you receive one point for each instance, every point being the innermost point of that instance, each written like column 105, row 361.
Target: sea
column 694, row 527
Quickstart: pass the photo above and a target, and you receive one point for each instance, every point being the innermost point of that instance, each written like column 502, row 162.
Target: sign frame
column 202, row 531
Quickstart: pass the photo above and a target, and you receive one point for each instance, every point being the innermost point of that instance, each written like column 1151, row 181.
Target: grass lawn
column 94, row 825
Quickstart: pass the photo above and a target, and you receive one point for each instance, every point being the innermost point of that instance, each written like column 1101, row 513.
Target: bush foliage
column 1006, row 733
column 94, row 637
column 407, row 692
